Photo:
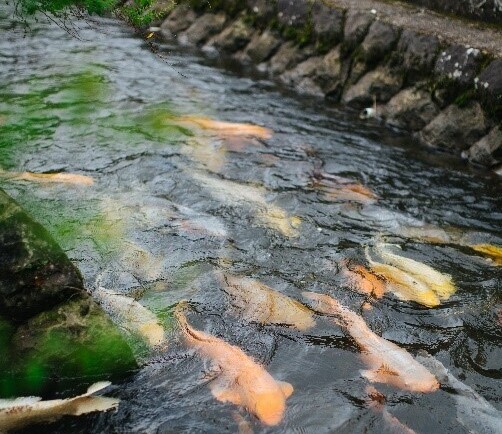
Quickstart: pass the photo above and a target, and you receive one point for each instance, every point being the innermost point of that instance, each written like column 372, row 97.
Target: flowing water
column 171, row 203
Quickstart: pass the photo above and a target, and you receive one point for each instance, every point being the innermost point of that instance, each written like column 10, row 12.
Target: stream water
column 166, row 210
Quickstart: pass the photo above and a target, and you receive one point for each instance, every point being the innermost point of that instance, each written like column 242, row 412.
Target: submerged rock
column 67, row 344
column 52, row 334
column 455, row 127
column 35, row 274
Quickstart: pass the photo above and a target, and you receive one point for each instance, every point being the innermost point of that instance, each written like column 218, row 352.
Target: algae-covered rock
column 356, row 27
column 35, row 274
column 379, row 41
column 288, row 55
column 64, row 346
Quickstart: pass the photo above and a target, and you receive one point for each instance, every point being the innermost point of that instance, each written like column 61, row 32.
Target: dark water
column 96, row 105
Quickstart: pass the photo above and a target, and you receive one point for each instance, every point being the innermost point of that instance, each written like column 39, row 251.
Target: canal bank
column 438, row 77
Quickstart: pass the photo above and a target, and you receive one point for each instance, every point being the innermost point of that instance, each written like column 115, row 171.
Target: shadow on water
column 175, row 200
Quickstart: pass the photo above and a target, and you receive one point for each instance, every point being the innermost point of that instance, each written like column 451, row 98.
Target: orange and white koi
column 387, row 362
column 63, row 178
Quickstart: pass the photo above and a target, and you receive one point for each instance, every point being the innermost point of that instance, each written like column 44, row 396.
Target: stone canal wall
column 437, row 77
column 485, row 10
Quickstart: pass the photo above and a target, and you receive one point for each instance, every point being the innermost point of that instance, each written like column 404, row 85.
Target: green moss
column 59, row 349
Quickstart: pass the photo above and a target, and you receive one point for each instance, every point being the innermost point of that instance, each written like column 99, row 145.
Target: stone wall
column 448, row 95
column 489, row 10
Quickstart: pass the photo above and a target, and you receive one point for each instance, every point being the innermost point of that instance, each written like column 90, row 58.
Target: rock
column 378, row 42
column 305, row 69
column 262, row 46
column 181, row 18
column 293, row 12
column 309, row 87
column 327, row 23
column 264, row 9
column 459, row 63
column 203, row 28
column 484, row 151
column 411, row 108
column 329, row 75
column 35, row 274
column 356, row 27
column 455, row 127
column 233, row 38
column 381, row 83
column 490, row 83
column 65, row 346
column 417, row 52
column 288, row 55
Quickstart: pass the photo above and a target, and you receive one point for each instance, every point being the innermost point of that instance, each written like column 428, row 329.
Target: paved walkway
column 447, row 29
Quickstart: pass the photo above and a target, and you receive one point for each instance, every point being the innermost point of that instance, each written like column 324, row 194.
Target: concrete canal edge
column 436, row 76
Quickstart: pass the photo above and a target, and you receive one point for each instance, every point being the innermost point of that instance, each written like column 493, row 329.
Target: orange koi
column 242, row 380
column 228, row 128
column 64, row 178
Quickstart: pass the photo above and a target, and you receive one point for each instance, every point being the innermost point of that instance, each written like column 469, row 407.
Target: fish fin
column 224, row 393
column 378, row 375
column 386, row 370
column 96, row 387
column 287, row 388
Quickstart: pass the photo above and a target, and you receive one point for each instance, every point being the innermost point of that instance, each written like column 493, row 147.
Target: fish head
column 269, row 407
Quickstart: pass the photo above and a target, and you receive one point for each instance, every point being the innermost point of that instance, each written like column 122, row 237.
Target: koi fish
column 363, row 280
column 236, row 193
column 132, row 316
column 21, row 412
column 440, row 283
column 474, row 412
column 387, row 362
column 242, row 381
column 227, row 128
column 263, row 304
column 63, row 178
column 405, row 286
column 338, row 188
column 493, row 252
